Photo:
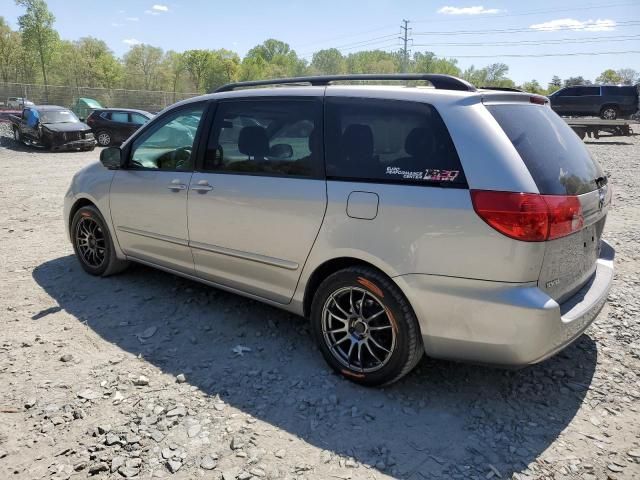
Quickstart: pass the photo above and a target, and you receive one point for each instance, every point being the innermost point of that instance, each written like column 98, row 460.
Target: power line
column 624, row 24
column 534, row 42
column 536, row 55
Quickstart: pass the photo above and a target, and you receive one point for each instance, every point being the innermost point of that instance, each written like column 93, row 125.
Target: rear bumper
column 502, row 323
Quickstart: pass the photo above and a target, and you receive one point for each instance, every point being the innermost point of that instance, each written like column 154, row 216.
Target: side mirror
column 281, row 151
column 111, row 158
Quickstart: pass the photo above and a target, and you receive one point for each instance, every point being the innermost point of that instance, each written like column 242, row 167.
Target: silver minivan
column 400, row 219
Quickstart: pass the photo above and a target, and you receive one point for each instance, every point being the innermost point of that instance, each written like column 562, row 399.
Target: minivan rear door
column 257, row 202
column 560, row 165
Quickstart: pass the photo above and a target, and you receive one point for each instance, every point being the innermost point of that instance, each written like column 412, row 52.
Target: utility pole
column 405, row 39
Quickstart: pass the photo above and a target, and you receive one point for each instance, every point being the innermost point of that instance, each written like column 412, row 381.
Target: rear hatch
column 560, row 166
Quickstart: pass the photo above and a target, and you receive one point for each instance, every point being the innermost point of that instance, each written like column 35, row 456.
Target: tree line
column 35, row 53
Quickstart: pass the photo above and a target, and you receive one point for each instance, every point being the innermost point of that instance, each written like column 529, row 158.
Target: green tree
column 554, row 85
column 38, row 33
column 628, row 76
column 272, row 59
column 10, row 52
column 576, row 81
column 533, row 87
column 174, row 66
column 143, row 66
column 196, row 63
column 328, row 62
column 373, row 61
column 609, row 76
column 427, row 62
column 223, row 67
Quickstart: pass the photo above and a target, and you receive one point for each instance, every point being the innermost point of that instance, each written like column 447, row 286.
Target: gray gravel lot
column 135, row 376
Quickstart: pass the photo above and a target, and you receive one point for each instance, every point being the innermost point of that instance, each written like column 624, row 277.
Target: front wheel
column 365, row 327
column 16, row 135
column 93, row 245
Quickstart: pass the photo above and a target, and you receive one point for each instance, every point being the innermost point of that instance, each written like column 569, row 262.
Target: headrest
column 419, row 142
column 253, row 141
column 357, row 141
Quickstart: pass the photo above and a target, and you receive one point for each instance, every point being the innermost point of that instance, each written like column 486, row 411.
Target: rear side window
column 389, row 141
column 121, row 117
column 556, row 158
column 269, row 137
column 588, row 91
column 625, row 91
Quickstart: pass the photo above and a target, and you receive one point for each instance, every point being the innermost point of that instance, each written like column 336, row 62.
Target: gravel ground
column 140, row 375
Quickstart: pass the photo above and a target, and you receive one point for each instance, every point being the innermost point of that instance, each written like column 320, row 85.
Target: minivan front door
column 149, row 197
column 257, row 203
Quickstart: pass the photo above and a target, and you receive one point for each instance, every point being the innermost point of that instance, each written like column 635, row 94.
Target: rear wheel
column 104, row 138
column 93, row 245
column 365, row 327
column 609, row 112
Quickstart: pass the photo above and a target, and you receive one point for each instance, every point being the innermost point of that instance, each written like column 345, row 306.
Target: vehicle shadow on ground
column 608, row 143
column 442, row 420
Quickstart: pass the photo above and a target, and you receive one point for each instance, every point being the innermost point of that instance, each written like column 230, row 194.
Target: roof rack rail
column 439, row 81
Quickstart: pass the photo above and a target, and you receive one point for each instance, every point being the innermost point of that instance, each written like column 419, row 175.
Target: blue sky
column 565, row 26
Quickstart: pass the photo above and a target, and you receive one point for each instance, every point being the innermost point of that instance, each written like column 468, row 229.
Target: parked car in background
column 608, row 102
column 52, row 127
column 112, row 126
column 84, row 106
column 462, row 222
column 18, row 103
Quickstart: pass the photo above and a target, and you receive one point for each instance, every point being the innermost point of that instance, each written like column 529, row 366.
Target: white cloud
column 160, row 8
column 477, row 10
column 132, row 19
column 131, row 41
column 151, row 12
column 573, row 24
column 117, row 25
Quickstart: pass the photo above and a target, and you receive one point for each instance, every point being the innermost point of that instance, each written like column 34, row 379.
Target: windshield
column 58, row 116
column 556, row 158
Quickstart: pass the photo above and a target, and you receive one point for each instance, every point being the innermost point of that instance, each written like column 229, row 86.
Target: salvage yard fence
column 66, row 96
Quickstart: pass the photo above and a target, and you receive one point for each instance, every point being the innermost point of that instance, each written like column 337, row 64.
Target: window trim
column 150, row 128
column 393, row 181
column 204, row 141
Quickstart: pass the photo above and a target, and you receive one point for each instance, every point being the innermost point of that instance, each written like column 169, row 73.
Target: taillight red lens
column 529, row 217
column 565, row 215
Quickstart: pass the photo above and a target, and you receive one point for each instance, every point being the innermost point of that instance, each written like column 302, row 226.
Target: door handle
column 175, row 185
column 202, row 187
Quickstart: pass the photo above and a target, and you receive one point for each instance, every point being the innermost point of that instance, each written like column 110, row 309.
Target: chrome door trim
column 156, row 236
column 252, row 257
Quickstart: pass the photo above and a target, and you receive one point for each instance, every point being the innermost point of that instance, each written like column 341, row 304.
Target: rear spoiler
column 513, row 96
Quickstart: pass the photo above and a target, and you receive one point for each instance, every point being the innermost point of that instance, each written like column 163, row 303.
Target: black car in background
column 608, row 102
column 112, row 126
column 51, row 127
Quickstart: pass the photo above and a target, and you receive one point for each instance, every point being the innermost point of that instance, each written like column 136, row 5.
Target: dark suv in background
column 112, row 126
column 605, row 101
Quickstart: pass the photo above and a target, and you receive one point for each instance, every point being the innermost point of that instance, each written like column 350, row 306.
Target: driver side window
column 168, row 145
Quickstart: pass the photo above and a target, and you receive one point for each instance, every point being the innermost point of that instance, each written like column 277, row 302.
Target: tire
column 389, row 343
column 104, row 138
column 16, row 135
column 87, row 223
column 609, row 112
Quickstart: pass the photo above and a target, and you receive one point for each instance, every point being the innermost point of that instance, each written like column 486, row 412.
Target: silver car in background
column 459, row 222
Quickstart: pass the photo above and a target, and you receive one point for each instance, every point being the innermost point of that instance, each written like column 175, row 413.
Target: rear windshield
column 556, row 158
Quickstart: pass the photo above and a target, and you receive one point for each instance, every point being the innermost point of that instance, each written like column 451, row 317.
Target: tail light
column 529, row 217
